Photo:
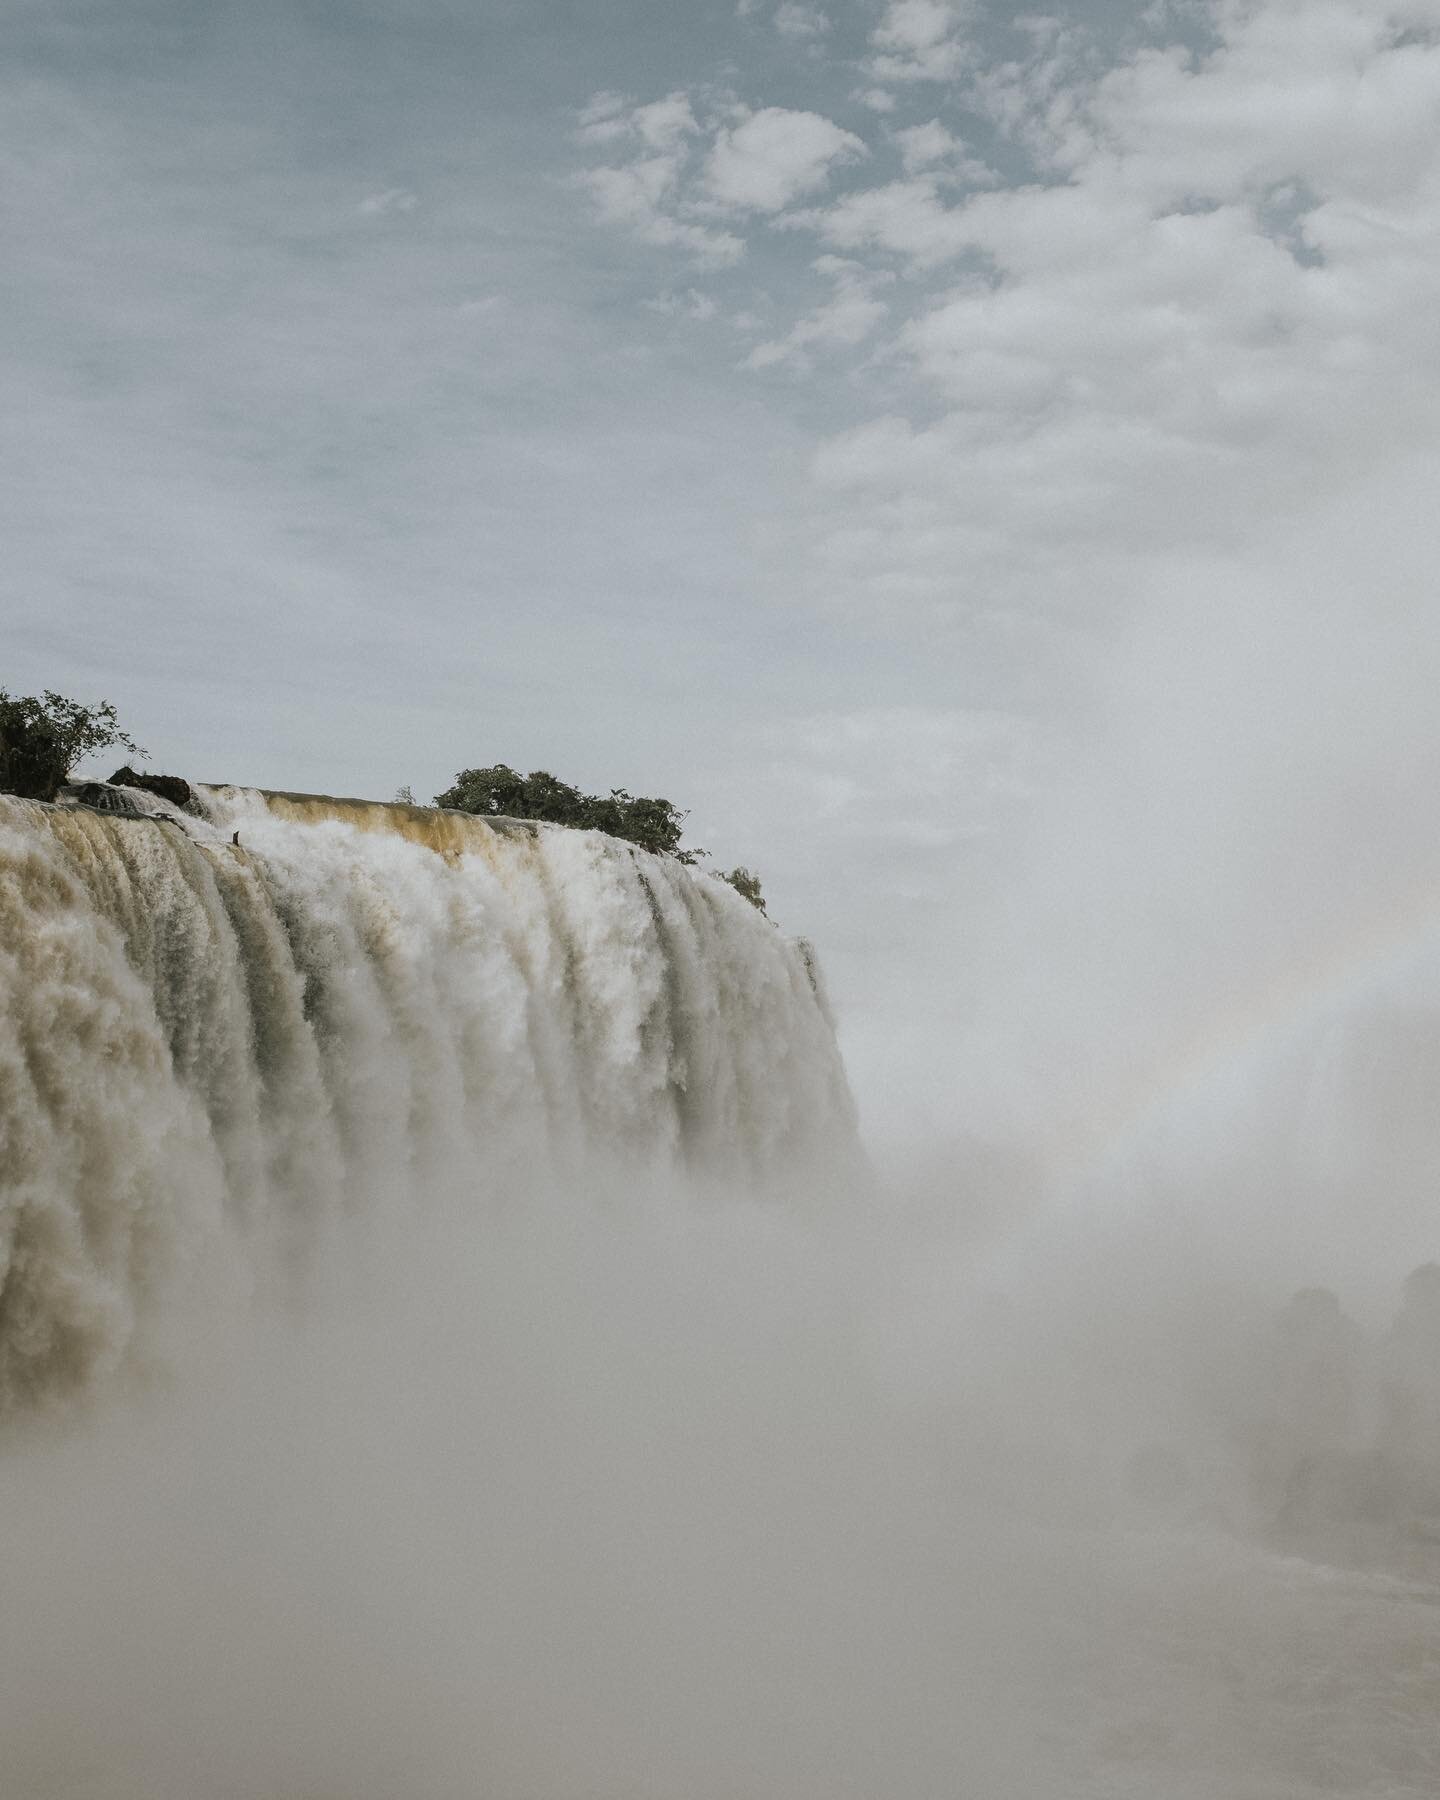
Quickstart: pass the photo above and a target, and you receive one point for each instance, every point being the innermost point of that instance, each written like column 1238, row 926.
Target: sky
column 981, row 462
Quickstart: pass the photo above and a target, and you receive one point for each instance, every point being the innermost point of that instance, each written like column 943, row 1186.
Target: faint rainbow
column 1249, row 1029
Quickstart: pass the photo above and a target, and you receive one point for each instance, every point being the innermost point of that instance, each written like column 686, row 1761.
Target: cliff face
column 212, row 1047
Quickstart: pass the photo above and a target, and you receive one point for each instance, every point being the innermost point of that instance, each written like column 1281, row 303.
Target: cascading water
column 545, row 1492
column 209, row 1041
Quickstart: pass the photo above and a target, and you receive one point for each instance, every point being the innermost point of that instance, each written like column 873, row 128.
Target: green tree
column 747, row 884
column 653, row 824
column 42, row 739
column 500, row 792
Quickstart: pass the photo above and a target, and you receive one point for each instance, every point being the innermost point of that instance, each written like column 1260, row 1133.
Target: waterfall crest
column 351, row 1008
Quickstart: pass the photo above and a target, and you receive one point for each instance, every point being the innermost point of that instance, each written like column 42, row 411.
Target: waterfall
column 217, row 1042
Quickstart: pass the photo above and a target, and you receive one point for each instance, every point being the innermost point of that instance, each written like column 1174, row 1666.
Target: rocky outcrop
column 164, row 787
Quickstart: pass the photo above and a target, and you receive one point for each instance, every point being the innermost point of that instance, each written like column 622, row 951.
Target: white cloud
column 1338, row 104
column 634, row 198
column 776, row 156
column 879, row 100
column 1216, row 292
column 603, row 104
column 845, row 320
column 923, row 146
column 643, row 194
column 692, row 304
column 662, row 125
column 667, row 190
column 602, row 107
column 906, row 218
column 1193, row 321
column 1217, row 303
column 795, row 19
column 920, row 40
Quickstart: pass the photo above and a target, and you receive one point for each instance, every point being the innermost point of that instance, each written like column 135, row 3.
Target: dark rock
column 164, row 787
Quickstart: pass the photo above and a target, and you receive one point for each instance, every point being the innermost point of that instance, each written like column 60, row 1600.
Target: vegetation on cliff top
column 652, row 823
column 43, row 737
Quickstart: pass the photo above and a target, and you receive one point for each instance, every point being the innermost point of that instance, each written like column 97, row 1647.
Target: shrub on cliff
column 653, row 824
column 747, row 885
column 42, row 738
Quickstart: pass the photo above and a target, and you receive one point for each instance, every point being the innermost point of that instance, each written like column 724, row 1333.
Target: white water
column 210, row 1053
column 583, row 1490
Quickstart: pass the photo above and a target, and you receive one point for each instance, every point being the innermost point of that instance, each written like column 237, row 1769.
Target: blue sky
column 981, row 462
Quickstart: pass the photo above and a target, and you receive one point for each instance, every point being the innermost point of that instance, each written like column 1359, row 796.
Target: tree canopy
column 746, row 883
column 43, row 737
column 653, row 824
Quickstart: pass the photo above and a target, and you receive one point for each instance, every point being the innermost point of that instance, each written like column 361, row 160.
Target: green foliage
column 42, row 739
column 747, row 884
column 499, row 791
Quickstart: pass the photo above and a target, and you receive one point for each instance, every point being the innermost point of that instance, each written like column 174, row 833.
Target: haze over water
column 985, row 466
column 451, row 1341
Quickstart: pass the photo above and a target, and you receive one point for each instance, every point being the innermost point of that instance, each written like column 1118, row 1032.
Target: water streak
column 215, row 1048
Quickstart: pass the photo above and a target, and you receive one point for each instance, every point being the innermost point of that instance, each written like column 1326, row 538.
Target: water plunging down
column 213, row 1041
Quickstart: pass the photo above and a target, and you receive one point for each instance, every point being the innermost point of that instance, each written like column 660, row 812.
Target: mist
column 1001, row 1470
column 482, row 1312
column 618, row 1493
